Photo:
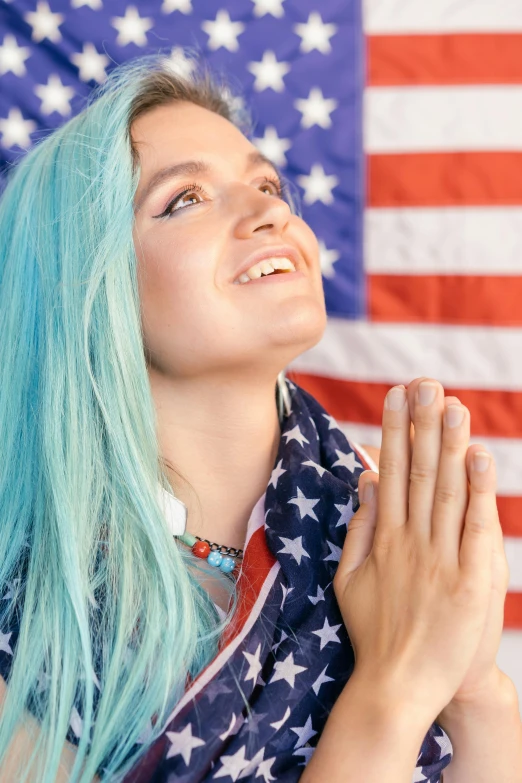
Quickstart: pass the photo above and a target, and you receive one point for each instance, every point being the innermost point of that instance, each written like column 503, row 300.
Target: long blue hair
column 113, row 617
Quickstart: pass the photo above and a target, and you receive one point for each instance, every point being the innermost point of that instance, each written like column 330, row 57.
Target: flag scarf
column 257, row 711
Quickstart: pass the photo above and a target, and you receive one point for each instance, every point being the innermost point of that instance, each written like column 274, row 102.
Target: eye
column 189, row 190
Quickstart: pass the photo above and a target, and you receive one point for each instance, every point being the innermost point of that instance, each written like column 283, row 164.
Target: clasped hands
column 432, row 428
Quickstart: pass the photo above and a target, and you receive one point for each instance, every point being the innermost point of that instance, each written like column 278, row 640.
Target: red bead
column 201, row 549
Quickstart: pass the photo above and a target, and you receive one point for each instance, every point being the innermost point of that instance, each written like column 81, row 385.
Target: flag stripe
column 460, row 357
column 448, row 16
column 444, row 59
column 447, row 299
column 459, row 241
column 414, row 119
column 431, row 179
column 513, row 611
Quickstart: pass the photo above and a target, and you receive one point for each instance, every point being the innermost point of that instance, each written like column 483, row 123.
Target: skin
column 214, row 349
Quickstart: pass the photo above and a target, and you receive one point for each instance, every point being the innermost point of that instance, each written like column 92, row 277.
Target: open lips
column 275, row 265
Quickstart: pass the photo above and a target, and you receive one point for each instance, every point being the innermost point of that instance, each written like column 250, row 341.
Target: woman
column 138, row 413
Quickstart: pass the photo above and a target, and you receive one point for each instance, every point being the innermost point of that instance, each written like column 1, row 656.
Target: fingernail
column 426, row 393
column 454, row 415
column 395, row 399
column 368, row 492
column 481, row 460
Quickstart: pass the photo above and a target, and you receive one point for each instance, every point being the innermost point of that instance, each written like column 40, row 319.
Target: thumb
column 361, row 527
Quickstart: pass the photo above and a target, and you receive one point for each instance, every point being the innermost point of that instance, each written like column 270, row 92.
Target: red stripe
column 444, row 59
column 494, row 413
column 513, row 611
column 257, row 562
column 446, row 299
column 510, row 515
column 438, row 179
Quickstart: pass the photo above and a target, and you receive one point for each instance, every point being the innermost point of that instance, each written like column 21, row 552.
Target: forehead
column 180, row 129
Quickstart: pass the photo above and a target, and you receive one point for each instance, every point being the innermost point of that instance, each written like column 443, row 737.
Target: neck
column 220, row 443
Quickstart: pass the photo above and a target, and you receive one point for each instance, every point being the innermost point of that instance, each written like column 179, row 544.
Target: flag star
column 16, row 130
column 319, row 597
column 76, row 722
column 277, row 725
column 281, row 640
column 265, row 769
column 183, row 743
column 222, row 31
column 91, row 63
column 307, row 752
column 13, row 57
column 332, row 423
column 335, row 552
column 185, row 6
column 228, row 732
column 94, row 4
column 252, row 723
column 287, row 670
column 445, row 743
column 305, row 505
column 346, row 511
column 215, row 689
column 274, row 7
column 255, row 664
column 252, row 764
column 328, row 633
column 13, row 589
column 347, row 461
column 303, row 732
column 43, row 681
column 327, row 259
column 321, row 681
column 318, row 185
column 315, row 34
column 309, row 463
column 232, row 765
column 54, row 95
column 276, row 473
column 418, row 776
column 294, row 547
column 285, row 591
column 178, row 62
column 4, row 642
column 269, row 72
column 272, row 146
column 44, row 23
column 132, row 28
column 316, row 109
column 295, row 434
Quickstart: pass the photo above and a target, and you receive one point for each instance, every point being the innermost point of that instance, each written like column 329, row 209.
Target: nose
column 258, row 211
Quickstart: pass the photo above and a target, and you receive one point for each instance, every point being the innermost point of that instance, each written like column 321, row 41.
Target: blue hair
column 106, row 591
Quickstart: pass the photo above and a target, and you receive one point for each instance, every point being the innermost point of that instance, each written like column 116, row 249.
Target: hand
column 483, row 669
column 414, row 579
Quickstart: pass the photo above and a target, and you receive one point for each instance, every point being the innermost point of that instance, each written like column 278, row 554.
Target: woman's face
column 196, row 322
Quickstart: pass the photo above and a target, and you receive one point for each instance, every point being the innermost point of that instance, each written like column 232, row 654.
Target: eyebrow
column 189, row 167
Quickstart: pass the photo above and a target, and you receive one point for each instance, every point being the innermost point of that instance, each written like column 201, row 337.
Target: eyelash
column 169, row 209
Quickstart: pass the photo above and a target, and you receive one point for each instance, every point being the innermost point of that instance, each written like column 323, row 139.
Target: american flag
column 400, row 125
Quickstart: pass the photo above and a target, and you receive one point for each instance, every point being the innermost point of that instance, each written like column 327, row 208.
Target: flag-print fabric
column 288, row 654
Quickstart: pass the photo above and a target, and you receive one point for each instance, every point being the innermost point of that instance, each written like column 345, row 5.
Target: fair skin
column 215, row 349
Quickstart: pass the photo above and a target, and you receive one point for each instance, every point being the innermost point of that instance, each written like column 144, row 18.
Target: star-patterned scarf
column 257, row 711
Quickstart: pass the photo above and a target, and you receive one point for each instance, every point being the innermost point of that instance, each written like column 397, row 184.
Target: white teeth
column 266, row 266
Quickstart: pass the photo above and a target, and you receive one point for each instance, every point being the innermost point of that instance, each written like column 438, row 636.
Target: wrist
column 496, row 690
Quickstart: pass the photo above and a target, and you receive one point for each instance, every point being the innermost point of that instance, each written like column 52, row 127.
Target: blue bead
column 228, row 564
column 215, row 558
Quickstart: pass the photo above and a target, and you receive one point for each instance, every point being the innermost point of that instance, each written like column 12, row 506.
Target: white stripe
column 455, row 241
column 513, row 549
column 442, row 16
column 222, row 657
column 469, row 357
column 507, row 453
column 420, row 119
